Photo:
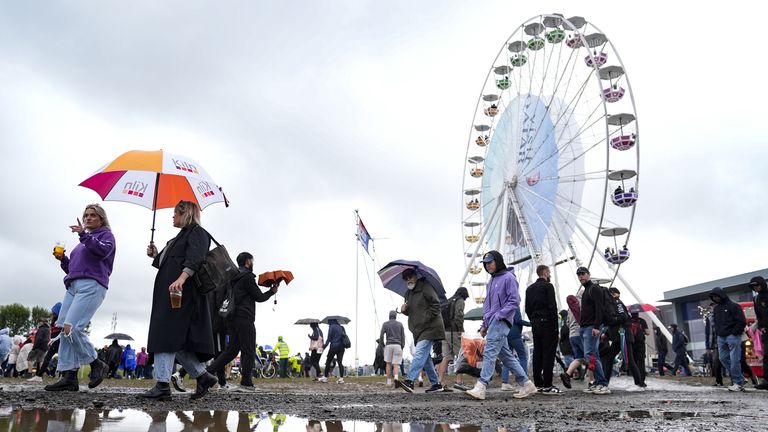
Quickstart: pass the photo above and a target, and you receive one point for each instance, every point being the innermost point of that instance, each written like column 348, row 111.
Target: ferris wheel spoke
column 568, row 144
column 577, row 214
column 592, row 175
column 570, row 112
column 546, row 226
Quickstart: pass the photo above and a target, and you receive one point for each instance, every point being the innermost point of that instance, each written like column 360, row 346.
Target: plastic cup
column 58, row 249
column 175, row 299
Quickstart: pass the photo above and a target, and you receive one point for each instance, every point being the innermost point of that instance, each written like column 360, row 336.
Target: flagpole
column 357, row 277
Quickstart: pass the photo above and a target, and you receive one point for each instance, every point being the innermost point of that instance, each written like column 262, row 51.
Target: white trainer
column 477, row 392
column 322, row 379
column 340, row 381
column 528, row 389
column 507, row 387
column 35, row 379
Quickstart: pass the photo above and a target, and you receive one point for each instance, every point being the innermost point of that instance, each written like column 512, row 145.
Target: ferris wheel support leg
column 480, row 241
column 535, row 255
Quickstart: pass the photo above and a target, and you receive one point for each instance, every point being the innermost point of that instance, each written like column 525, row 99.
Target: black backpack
column 228, row 303
column 609, row 307
column 447, row 310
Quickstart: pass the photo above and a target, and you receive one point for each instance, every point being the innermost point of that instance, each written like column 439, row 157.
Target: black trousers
column 52, row 350
column 339, row 354
column 717, row 367
column 314, row 358
column 638, row 354
column 242, row 339
column 545, row 338
column 764, row 340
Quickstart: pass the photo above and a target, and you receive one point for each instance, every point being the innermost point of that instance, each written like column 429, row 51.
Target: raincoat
column 424, row 318
column 5, row 344
column 189, row 327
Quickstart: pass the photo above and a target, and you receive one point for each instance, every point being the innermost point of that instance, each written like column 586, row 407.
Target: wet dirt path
column 665, row 406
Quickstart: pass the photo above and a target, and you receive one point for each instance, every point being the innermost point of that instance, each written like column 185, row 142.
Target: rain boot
column 161, row 391
column 68, row 382
column 98, row 371
column 204, row 382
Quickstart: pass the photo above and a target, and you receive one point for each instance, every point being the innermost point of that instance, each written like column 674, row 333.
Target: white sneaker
column 340, row 381
column 736, row 388
column 478, row 392
column 601, row 390
column 528, row 389
column 507, row 387
column 35, row 379
column 323, row 379
column 389, row 383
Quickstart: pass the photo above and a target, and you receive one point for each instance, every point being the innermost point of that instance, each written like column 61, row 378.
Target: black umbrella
column 339, row 318
column 475, row 314
column 307, row 321
column 118, row 336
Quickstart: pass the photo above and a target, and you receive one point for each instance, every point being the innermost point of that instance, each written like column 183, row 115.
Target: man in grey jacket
column 393, row 335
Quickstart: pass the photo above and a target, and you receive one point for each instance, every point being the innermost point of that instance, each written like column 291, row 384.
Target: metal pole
column 357, row 278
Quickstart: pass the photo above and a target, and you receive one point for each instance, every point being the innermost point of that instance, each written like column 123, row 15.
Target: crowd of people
column 185, row 328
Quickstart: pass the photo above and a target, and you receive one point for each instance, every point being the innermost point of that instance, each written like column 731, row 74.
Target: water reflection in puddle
column 211, row 421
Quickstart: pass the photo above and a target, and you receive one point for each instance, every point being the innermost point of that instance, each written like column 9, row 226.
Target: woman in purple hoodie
column 88, row 269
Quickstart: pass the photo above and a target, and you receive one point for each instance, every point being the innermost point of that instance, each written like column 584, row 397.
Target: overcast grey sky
column 306, row 111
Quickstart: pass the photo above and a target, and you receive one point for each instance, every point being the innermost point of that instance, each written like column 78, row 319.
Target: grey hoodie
column 394, row 331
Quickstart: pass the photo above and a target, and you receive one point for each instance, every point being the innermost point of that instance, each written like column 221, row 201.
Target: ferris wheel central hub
column 512, row 183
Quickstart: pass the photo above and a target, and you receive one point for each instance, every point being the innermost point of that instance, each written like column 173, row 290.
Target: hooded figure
column 114, row 355
column 729, row 326
column 5, row 345
column 729, row 317
column 503, row 296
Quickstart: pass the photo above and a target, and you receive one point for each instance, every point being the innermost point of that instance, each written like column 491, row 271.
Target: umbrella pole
column 154, row 209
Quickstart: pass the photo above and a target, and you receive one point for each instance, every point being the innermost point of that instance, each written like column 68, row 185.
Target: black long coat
column 189, row 327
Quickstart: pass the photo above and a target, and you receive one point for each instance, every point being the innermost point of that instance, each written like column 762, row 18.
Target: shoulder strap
column 209, row 235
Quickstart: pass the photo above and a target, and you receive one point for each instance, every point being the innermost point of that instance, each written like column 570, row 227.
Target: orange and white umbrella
column 155, row 179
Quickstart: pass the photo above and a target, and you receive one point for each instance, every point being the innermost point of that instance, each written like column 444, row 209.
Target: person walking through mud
column 454, row 328
column 53, row 346
column 591, row 322
column 422, row 307
column 182, row 333
column 393, row 335
column 88, row 269
column 316, row 343
column 679, row 344
column 501, row 301
column 336, row 352
column 241, row 330
column 760, row 303
column 729, row 326
column 541, row 308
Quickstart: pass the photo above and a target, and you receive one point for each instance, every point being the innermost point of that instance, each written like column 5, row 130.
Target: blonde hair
column 101, row 212
column 189, row 213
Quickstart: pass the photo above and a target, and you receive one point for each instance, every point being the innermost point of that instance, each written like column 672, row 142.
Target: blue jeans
column 422, row 360
column 164, row 365
column 496, row 347
column 729, row 348
column 518, row 346
column 80, row 302
column 592, row 346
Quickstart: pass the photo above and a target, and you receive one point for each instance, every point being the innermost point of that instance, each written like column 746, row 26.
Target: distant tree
column 15, row 317
column 39, row 312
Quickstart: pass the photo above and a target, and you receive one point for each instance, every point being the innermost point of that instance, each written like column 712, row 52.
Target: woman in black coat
column 183, row 334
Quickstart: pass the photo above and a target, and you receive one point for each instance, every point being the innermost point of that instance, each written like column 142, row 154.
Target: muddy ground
column 685, row 404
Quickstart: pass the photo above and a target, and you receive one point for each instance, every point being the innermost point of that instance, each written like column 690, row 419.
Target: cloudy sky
column 306, row 111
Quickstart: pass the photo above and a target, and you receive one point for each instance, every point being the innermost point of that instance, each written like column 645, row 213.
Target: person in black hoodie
column 242, row 332
column 729, row 326
column 541, row 308
column 760, row 302
column 591, row 321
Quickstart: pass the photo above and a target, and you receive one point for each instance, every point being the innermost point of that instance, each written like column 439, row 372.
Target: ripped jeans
column 83, row 298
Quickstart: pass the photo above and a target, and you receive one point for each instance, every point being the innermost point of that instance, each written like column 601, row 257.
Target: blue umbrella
column 391, row 277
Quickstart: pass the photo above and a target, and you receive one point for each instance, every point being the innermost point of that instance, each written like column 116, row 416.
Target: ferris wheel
column 552, row 163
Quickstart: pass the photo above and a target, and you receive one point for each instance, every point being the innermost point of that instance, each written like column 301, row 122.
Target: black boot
column 204, row 382
column 98, row 370
column 161, row 391
column 67, row 383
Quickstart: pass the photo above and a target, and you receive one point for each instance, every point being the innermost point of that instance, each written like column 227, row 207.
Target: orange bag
column 473, row 350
